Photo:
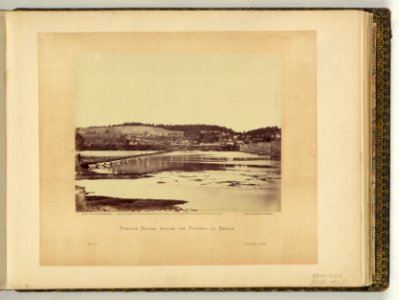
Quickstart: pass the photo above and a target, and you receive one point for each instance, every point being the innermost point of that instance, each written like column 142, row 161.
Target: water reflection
column 181, row 161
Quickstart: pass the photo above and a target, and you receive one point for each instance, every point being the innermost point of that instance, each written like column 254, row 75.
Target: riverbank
column 91, row 203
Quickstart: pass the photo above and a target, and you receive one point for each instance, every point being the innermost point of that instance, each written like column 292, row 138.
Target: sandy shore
column 88, row 203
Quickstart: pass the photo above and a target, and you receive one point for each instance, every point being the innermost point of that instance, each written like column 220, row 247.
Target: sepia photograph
column 184, row 133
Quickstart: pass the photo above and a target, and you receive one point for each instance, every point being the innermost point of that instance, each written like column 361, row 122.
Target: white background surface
column 391, row 294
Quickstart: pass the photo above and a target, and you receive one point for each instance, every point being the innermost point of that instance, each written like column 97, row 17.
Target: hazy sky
column 239, row 91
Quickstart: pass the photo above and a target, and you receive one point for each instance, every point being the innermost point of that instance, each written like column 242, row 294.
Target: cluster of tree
column 79, row 141
column 269, row 132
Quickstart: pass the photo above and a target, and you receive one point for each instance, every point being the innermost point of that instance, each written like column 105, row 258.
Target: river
column 210, row 182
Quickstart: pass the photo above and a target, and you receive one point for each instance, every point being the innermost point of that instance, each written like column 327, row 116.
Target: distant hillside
column 197, row 128
column 142, row 136
column 142, row 129
column 107, row 132
column 188, row 129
